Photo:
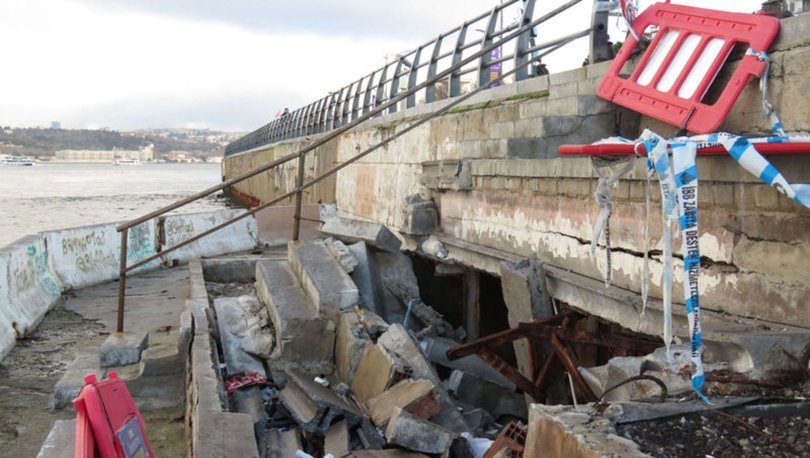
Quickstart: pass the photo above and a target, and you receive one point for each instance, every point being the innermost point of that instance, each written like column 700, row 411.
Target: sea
column 51, row 196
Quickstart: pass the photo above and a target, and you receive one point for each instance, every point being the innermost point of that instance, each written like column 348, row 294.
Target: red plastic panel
column 626, row 149
column 116, row 427
column 688, row 51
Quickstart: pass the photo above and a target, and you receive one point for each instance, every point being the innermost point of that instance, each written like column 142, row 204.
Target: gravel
column 712, row 435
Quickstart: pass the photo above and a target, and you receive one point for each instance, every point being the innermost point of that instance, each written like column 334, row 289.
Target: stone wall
column 491, row 167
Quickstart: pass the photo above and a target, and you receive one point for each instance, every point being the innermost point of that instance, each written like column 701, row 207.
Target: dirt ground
column 27, row 377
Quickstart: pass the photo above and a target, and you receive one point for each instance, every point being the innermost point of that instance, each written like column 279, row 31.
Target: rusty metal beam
column 510, row 372
column 570, row 366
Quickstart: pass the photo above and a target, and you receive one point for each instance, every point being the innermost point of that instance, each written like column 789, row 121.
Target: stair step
column 303, row 338
column 324, row 281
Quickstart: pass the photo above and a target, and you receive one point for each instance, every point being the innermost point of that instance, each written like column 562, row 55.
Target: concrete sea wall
column 492, row 169
column 37, row 269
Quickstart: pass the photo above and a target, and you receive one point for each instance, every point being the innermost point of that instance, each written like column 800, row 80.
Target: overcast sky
column 221, row 64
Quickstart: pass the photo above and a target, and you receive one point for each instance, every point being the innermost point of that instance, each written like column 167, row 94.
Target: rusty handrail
column 300, row 184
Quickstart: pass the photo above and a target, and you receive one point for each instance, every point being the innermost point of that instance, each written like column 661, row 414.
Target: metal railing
column 422, row 64
column 390, row 103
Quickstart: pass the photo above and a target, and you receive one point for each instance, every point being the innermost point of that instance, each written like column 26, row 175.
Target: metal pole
column 298, row 197
column 122, row 280
column 600, row 46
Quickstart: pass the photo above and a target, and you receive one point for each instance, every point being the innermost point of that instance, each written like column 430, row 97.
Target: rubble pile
column 334, row 353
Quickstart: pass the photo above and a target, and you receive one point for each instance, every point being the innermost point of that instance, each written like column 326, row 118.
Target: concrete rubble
column 347, row 370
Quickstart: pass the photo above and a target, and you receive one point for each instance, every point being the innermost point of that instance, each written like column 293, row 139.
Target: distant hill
column 45, row 142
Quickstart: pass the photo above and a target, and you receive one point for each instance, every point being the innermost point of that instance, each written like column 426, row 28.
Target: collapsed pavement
column 335, row 350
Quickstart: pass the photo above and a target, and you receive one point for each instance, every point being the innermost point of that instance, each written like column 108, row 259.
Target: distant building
column 103, row 156
column 56, row 125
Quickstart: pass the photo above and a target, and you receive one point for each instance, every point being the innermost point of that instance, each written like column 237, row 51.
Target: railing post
column 600, row 46
column 122, row 280
column 299, row 183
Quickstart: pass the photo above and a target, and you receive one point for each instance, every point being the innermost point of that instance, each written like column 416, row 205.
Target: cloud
column 231, row 64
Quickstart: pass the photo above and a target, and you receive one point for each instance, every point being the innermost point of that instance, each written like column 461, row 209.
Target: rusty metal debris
column 560, row 331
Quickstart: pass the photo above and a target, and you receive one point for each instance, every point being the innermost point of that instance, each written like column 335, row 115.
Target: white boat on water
column 126, row 161
column 9, row 159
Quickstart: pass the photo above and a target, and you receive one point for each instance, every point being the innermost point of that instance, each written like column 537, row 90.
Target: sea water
column 56, row 196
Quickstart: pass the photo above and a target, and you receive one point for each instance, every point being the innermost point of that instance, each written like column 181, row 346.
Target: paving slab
column 60, row 441
column 324, row 281
column 122, row 349
column 295, row 320
column 355, row 230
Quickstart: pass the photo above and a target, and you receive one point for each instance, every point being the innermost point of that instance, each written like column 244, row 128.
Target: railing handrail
column 301, row 185
column 419, row 64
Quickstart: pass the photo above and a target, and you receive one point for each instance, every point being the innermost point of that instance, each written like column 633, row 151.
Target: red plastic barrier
column 108, row 424
column 624, row 149
column 678, row 67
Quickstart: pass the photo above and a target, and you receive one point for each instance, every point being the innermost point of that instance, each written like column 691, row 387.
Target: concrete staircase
column 304, row 296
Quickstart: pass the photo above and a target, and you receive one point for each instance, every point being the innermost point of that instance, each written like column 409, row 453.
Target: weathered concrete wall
column 492, row 168
column 280, row 180
column 35, row 270
column 90, row 255
column 239, row 236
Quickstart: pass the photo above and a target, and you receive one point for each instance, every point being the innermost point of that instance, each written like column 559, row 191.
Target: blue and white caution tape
column 686, row 180
column 658, row 161
column 767, row 108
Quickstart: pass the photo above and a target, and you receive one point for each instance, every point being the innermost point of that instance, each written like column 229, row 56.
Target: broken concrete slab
column 314, row 406
column 341, row 254
column 354, row 230
column 295, row 321
column 436, row 349
column 381, row 407
column 574, row 432
column 162, row 357
column 495, row 399
column 72, row 381
column 122, row 349
column 231, row 320
column 61, row 439
column 336, row 440
column 224, row 435
column 375, row 373
column 397, row 341
column 421, row 216
column 352, row 338
column 366, row 277
column 323, row 280
column 278, row 443
column 414, row 433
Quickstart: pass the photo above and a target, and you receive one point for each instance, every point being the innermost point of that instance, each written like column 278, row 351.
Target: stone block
column 381, row 407
column 527, row 148
column 224, row 435
column 342, row 254
column 326, row 284
column 352, row 338
column 336, row 440
column 561, row 125
column 421, row 216
column 533, row 110
column 447, row 174
column 568, row 89
column 589, row 105
column 568, row 432
column 375, row 373
column 122, row 349
column 414, row 433
column 353, row 230
column 231, row 320
column 68, row 386
column 277, row 443
column 161, row 359
column 294, row 319
column 61, row 439
column 314, row 406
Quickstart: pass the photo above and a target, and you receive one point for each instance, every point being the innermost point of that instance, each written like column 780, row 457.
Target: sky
column 221, row 64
